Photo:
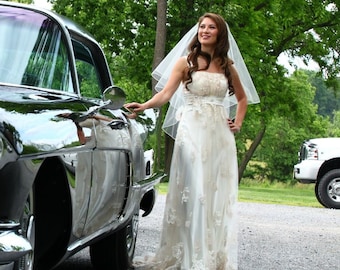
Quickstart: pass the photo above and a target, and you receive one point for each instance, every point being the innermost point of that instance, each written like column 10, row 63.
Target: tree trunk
column 158, row 57
column 250, row 153
column 160, row 37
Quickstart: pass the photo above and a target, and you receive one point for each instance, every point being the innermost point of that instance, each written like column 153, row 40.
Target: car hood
column 23, row 95
column 30, row 119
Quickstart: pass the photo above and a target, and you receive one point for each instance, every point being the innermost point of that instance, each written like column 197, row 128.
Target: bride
column 200, row 219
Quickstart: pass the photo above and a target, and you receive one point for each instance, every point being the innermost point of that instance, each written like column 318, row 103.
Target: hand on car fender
column 133, row 109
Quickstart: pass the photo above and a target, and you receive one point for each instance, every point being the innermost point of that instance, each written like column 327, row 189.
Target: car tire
column 116, row 251
column 328, row 189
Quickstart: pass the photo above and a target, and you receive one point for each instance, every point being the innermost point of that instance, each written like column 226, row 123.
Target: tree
column 263, row 29
column 279, row 147
column 326, row 98
column 158, row 57
column 334, row 129
column 23, row 1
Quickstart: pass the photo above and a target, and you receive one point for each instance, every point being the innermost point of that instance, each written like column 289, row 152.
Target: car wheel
column 27, row 229
column 116, row 251
column 328, row 189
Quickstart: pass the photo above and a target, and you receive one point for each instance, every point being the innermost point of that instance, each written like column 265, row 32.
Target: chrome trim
column 13, row 246
column 117, row 224
column 8, row 224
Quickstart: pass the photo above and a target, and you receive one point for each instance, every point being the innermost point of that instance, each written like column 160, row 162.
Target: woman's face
column 207, row 32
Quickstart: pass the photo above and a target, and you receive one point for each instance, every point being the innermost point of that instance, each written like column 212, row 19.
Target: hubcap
column 334, row 190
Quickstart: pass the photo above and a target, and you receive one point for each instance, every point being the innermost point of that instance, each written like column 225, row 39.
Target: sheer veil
column 163, row 70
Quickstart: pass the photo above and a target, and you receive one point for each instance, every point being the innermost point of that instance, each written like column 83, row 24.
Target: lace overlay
column 199, row 225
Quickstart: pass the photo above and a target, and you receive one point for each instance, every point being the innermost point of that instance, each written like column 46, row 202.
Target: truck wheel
column 328, row 189
column 116, row 251
column 316, row 191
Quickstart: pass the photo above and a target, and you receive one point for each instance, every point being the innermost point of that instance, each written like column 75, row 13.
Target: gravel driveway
column 271, row 237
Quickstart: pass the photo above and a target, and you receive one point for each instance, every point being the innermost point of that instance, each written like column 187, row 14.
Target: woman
column 199, row 224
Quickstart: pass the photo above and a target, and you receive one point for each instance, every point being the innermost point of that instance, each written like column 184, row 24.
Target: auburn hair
column 220, row 52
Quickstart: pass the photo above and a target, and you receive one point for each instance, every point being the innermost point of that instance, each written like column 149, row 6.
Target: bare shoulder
column 181, row 63
column 180, row 68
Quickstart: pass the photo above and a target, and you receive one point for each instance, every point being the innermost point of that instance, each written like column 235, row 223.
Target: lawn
column 272, row 193
column 298, row 194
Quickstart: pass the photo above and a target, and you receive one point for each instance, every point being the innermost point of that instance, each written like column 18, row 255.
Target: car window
column 32, row 51
column 88, row 76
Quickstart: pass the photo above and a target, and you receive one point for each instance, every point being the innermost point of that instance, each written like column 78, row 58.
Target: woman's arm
column 176, row 77
column 242, row 102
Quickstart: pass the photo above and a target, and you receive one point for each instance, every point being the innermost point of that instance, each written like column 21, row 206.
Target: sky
column 297, row 62
column 42, row 3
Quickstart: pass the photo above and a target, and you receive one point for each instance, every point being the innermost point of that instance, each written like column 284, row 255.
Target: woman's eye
column 202, row 26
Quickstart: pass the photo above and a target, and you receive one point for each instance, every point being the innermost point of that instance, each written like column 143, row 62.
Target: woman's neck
column 208, row 50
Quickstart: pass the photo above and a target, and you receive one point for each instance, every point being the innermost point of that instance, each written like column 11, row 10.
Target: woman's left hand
column 233, row 127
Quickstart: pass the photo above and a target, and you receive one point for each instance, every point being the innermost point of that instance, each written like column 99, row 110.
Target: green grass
column 162, row 188
column 271, row 193
column 298, row 194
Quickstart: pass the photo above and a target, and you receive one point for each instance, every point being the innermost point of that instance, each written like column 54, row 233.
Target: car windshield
column 32, row 51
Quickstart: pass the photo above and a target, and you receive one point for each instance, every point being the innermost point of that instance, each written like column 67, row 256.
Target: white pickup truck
column 319, row 163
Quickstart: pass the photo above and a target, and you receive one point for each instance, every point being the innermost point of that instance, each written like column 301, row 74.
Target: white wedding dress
column 200, row 224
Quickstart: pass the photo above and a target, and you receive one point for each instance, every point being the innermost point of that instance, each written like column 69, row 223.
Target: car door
column 110, row 160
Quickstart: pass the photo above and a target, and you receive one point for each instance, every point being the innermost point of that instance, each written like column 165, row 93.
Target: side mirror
column 114, row 98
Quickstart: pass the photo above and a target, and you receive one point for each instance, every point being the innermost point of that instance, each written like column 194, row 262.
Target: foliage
column 263, row 30
column 334, row 128
column 328, row 101
column 294, row 121
column 125, row 29
column 88, row 79
column 23, row 1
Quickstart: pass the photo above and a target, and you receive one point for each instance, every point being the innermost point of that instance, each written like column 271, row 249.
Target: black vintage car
column 74, row 169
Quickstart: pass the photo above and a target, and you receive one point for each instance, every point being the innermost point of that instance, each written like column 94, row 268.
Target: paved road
column 271, row 237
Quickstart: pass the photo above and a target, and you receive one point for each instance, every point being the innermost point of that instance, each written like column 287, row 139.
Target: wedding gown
column 199, row 225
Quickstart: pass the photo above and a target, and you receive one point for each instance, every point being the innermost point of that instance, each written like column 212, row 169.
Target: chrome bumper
column 12, row 247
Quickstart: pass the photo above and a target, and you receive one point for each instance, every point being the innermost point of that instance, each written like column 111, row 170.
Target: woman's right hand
column 133, row 109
